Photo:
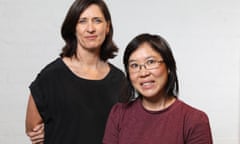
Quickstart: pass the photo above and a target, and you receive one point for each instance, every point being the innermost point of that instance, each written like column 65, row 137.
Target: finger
column 38, row 127
column 36, row 137
column 39, row 141
column 32, row 134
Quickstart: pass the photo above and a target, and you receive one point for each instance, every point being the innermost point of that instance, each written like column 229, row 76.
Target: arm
column 34, row 123
column 200, row 131
column 37, row 134
column 112, row 127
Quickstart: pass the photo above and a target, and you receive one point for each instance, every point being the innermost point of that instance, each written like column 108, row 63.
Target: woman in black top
column 72, row 95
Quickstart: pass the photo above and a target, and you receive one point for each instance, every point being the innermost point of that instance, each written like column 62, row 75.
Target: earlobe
column 169, row 71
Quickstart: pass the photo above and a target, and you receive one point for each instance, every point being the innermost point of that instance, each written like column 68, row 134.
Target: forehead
column 143, row 52
column 92, row 10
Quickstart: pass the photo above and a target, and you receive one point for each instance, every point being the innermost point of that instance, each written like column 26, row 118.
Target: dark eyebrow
column 132, row 61
column 149, row 57
column 98, row 17
column 92, row 18
column 82, row 18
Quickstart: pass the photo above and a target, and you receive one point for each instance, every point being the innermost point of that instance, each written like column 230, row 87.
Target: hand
column 37, row 135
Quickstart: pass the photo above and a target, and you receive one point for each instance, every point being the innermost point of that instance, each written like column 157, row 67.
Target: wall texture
column 204, row 36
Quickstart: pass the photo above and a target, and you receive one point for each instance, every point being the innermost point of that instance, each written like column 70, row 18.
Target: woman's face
column 91, row 28
column 149, row 82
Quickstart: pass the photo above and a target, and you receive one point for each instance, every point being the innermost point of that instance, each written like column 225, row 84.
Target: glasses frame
column 145, row 65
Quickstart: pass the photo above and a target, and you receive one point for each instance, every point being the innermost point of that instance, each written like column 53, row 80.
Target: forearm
column 33, row 117
column 34, row 125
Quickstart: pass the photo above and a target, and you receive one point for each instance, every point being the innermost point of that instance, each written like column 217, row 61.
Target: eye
column 97, row 20
column 151, row 62
column 82, row 21
column 133, row 65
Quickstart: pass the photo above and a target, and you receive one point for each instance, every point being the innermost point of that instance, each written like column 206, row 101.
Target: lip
column 92, row 37
column 147, row 84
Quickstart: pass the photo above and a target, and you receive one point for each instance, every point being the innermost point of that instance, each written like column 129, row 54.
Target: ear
column 108, row 28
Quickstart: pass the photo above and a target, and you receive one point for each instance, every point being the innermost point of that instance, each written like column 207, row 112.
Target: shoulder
column 116, row 70
column 51, row 70
column 116, row 75
column 194, row 119
column 52, row 66
column 192, row 112
column 120, row 108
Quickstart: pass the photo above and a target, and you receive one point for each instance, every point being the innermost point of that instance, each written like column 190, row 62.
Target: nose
column 143, row 71
column 142, row 65
column 90, row 27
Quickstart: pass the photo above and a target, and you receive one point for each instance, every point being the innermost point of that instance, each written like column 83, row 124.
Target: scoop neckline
column 85, row 79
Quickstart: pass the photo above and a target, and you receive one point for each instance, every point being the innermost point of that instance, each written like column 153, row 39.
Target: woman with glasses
column 155, row 115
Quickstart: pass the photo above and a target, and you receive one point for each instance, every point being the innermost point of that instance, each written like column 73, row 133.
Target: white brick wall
column 204, row 35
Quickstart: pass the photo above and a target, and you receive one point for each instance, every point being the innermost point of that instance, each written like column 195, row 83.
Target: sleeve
column 38, row 89
column 199, row 131
column 113, row 128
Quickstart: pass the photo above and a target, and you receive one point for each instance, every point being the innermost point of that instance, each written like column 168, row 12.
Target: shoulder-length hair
column 161, row 46
column 68, row 30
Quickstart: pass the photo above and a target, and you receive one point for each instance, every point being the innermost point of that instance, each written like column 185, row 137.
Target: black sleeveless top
column 74, row 109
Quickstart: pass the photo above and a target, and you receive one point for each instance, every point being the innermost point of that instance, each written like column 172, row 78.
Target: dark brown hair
column 108, row 48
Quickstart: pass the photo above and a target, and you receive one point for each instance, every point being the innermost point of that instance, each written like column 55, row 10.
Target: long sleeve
column 112, row 129
column 198, row 129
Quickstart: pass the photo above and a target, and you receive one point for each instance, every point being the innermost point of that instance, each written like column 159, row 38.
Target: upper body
column 73, row 95
column 74, row 109
column 178, row 124
column 157, row 116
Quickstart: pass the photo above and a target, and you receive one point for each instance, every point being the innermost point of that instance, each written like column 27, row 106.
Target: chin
column 148, row 94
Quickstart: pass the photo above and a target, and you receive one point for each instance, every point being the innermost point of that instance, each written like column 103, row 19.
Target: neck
column 87, row 65
column 158, row 103
column 87, row 58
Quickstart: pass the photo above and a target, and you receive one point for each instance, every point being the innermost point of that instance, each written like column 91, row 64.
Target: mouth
column 147, row 84
column 93, row 37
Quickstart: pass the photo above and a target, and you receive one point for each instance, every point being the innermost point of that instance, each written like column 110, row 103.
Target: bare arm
column 34, row 123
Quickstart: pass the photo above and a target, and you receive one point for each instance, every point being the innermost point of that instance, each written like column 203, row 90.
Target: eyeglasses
column 149, row 64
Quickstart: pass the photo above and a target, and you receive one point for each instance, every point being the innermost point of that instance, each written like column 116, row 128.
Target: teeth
column 146, row 83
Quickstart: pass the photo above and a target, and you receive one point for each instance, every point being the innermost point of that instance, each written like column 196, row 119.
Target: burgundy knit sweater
column 177, row 124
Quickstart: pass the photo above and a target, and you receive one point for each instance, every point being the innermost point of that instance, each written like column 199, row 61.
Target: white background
column 204, row 36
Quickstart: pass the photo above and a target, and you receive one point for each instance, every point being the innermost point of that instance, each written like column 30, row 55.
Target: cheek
column 78, row 28
column 133, row 79
column 161, row 75
column 102, row 33
column 161, row 72
column 104, row 30
column 78, row 32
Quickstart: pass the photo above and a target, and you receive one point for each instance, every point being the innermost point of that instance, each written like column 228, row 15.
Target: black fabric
column 74, row 110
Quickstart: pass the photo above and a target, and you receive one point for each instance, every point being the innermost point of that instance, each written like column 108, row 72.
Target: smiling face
column 92, row 28
column 149, row 83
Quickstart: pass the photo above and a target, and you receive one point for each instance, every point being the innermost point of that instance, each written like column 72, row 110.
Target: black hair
column 161, row 46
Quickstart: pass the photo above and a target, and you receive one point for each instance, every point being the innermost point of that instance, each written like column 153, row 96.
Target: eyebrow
column 148, row 57
column 92, row 18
